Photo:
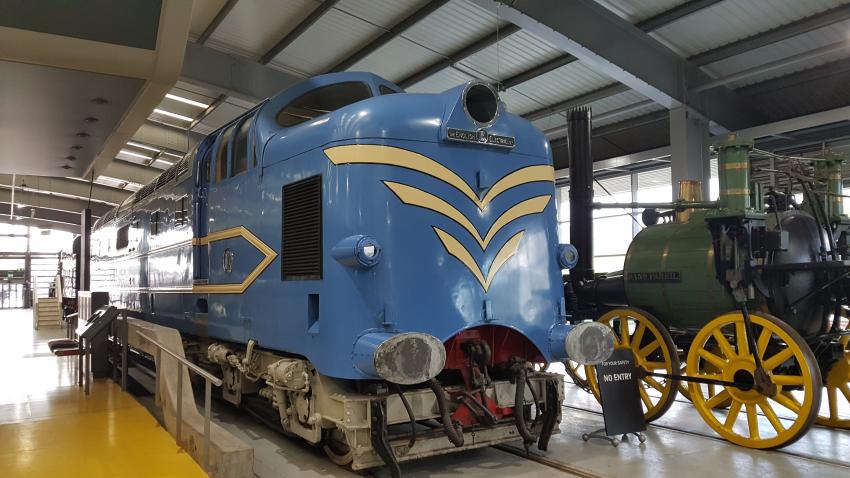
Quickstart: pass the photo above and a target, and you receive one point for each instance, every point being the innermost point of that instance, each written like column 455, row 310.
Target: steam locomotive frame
column 750, row 290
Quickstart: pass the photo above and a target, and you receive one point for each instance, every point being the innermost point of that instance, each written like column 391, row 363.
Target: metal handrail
column 198, row 370
column 209, row 380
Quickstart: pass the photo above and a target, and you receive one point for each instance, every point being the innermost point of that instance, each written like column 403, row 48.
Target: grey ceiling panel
column 132, row 23
column 47, row 116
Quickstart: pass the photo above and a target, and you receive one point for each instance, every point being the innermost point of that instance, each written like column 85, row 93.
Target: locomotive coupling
column 404, row 358
column 588, row 343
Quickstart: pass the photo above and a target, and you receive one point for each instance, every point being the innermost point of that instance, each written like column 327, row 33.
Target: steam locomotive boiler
column 377, row 271
column 750, row 290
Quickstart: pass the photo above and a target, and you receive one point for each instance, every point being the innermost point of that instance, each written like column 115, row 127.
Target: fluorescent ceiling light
column 142, row 146
column 159, row 160
column 180, row 156
column 186, row 100
column 138, row 155
column 173, row 115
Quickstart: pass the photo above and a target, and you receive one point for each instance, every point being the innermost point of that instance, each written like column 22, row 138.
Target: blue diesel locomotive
column 362, row 261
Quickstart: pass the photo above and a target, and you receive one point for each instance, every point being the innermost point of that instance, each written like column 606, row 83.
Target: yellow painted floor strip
column 49, row 428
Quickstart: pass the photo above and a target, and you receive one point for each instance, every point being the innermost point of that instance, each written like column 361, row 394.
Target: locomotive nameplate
column 481, row 137
column 655, row 277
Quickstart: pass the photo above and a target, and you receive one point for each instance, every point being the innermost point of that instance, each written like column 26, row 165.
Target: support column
column 689, row 149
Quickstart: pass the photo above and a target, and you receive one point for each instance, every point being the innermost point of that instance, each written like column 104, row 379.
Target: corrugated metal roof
column 442, row 81
column 381, row 13
column 397, row 59
column 561, row 84
column 733, row 20
column 517, row 102
column 452, row 27
column 637, row 10
column 203, row 13
column 332, row 38
column 513, row 54
column 784, row 49
column 254, row 26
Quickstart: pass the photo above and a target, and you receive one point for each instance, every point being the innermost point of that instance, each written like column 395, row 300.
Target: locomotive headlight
column 588, row 343
column 357, row 251
column 481, row 103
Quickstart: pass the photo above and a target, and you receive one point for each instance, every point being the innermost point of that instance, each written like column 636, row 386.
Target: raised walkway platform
column 49, row 428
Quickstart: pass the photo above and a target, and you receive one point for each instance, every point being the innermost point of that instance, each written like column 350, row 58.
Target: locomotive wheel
column 788, row 362
column 653, row 350
column 336, row 447
column 711, row 390
column 577, row 373
column 837, row 386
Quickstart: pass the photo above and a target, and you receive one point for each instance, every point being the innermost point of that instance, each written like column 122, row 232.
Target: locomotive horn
column 407, row 358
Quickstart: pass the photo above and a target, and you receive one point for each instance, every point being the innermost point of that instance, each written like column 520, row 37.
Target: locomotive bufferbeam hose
column 455, row 435
column 397, row 389
column 519, row 408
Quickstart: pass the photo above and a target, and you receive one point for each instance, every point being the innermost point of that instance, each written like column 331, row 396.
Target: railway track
column 710, row 436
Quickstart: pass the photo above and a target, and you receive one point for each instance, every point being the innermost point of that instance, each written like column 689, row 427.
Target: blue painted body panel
column 416, row 286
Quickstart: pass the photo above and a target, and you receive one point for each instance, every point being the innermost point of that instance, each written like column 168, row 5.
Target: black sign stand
column 620, row 397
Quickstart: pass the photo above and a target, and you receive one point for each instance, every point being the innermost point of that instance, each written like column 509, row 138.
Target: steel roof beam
column 774, row 35
column 131, row 172
column 232, row 75
column 67, row 187
column 651, row 24
column 459, row 55
column 389, row 35
column 676, row 13
column 576, row 101
column 299, row 30
column 55, row 203
column 615, row 47
column 44, row 224
column 216, row 21
column 53, row 215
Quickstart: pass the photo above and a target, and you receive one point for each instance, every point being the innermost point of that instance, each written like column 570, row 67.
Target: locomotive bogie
column 315, row 407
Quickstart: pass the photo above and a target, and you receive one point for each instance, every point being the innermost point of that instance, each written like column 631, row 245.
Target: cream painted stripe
column 529, row 174
column 417, row 197
column 456, row 249
column 506, row 252
column 528, row 207
column 392, row 156
column 739, row 165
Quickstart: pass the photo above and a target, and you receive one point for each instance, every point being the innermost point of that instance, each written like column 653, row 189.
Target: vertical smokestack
column 581, row 191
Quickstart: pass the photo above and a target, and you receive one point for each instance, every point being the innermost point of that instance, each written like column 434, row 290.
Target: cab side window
column 221, row 154
column 241, row 148
column 321, row 101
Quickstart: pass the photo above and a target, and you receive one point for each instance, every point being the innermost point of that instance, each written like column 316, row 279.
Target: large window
column 221, row 154
column 321, row 101
column 614, row 228
column 240, row 148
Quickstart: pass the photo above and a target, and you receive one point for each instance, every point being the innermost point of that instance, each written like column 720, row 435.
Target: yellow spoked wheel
column 576, row 373
column 654, row 351
column 789, row 364
column 710, row 389
column 835, row 411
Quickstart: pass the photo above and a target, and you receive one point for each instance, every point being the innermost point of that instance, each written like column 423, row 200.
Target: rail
column 209, row 380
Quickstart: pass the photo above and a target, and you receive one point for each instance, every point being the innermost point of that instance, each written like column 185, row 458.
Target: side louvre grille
column 302, row 230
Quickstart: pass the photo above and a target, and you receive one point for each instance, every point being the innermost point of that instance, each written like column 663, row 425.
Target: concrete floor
column 50, row 428
column 690, row 450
